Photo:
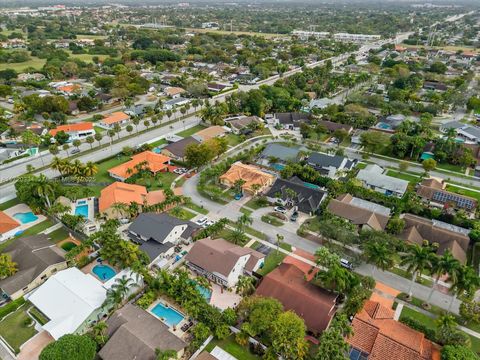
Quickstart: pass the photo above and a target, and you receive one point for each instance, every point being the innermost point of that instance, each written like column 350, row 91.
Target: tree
column 464, row 283
column 417, row 259
column 245, row 285
column 288, row 336
column 72, row 347
column 7, row 266
column 332, row 341
column 165, row 354
column 395, row 225
column 380, row 254
column 403, row 166
column 445, row 264
column 76, row 143
column 429, row 165
column 458, row 352
column 99, row 333
column 61, row 137
column 98, row 137
column 65, row 148
column 447, row 333
column 470, row 311
column 90, row 140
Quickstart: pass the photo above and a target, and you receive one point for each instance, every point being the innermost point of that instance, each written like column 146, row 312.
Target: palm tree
column 245, row 285
column 65, row 148
column 90, row 140
column 98, row 137
column 379, row 254
column 76, row 143
column 90, row 169
column 203, row 282
column 335, row 278
column 123, row 285
column 99, row 332
column 120, row 208
column 237, row 185
column 279, row 241
column 56, row 164
column 442, row 265
column 165, row 354
column 417, row 259
column 44, row 189
column 466, row 283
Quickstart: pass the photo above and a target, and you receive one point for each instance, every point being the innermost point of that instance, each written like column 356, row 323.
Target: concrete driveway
column 33, row 347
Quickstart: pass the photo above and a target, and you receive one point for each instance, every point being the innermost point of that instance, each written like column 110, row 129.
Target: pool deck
column 23, row 208
column 91, row 207
column 177, row 330
column 88, row 269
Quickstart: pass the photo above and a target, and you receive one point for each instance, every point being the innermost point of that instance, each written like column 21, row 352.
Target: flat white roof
column 68, row 298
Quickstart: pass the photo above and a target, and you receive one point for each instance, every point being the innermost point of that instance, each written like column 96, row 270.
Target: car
column 74, row 151
column 346, row 264
column 294, row 216
column 238, row 196
column 10, row 101
column 201, row 221
column 208, row 223
column 177, row 171
column 280, row 209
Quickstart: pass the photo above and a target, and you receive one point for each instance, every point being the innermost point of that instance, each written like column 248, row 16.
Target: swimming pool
column 311, row 186
column 103, row 272
column 168, row 315
column 81, row 202
column 385, row 126
column 278, row 167
column 82, row 210
column 206, row 293
column 26, row 218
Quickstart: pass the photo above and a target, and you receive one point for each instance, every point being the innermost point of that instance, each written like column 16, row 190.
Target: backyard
column 14, row 328
column 233, row 348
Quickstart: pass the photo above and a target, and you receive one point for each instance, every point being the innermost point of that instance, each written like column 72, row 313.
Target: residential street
column 232, row 212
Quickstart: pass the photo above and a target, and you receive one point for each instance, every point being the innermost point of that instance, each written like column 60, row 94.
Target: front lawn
column 408, row 177
column 195, row 207
column 8, row 204
column 256, row 203
column 103, row 167
column 161, row 180
column 182, row 214
column 158, row 143
column 272, row 220
column 189, row 132
column 14, row 330
column 233, row 348
column 37, row 229
column 246, row 211
column 272, row 260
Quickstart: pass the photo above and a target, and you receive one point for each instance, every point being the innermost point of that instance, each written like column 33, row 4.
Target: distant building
column 116, row 118
column 75, row 131
column 153, row 161
column 176, row 150
column 251, row 175
column 290, row 121
column 468, row 133
column 374, row 178
column 329, row 165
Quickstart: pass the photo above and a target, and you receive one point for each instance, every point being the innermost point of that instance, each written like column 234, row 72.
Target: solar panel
column 459, row 200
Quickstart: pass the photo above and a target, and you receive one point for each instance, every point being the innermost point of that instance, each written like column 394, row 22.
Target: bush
column 146, row 300
column 11, row 307
column 71, row 347
column 451, row 352
column 417, row 325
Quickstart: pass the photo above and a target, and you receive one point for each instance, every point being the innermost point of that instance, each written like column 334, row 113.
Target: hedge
column 11, row 307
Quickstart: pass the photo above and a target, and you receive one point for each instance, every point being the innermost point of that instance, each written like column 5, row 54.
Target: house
column 173, row 92
column 215, row 87
column 116, row 118
column 177, row 149
column 331, row 126
column 279, row 153
column 37, row 259
column 174, row 103
column 137, row 110
column 75, row 131
column 434, row 85
column 290, row 121
column 157, row 234
column 468, row 133
column 106, row 99
column 122, row 193
column 329, row 165
column 8, row 226
column 320, row 104
column 448, row 237
column 240, row 125
column 155, row 163
column 373, row 177
column 362, row 213
column 210, row 133
column 30, row 77
column 433, row 191
column 223, row 262
column 71, row 300
column 134, row 333
column 255, row 180
column 376, row 335
column 306, row 199
column 287, row 284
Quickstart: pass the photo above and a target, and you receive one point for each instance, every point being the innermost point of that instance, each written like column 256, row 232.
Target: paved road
column 231, row 211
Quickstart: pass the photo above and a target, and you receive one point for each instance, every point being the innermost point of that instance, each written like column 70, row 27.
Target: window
column 356, row 354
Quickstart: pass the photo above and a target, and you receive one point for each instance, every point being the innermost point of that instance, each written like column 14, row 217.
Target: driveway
column 32, row 349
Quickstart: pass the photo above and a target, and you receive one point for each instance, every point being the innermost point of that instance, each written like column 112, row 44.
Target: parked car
column 294, row 216
column 238, row 196
column 208, row 223
column 74, row 151
column 201, row 221
column 280, row 209
column 346, row 264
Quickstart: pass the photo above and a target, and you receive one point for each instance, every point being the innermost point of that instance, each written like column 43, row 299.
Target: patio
column 21, row 214
column 224, row 299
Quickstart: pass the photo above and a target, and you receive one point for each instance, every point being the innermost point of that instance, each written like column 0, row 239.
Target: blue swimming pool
column 103, row 272
column 278, row 167
column 157, row 150
column 206, row 293
column 311, row 186
column 81, row 202
column 82, row 210
column 168, row 315
column 26, row 218
column 385, row 126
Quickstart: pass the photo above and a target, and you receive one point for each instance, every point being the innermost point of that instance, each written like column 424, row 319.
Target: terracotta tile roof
column 68, row 88
column 119, row 192
column 314, row 304
column 376, row 333
column 156, row 163
column 358, row 216
column 172, row 91
column 418, row 229
column 115, row 118
column 7, row 223
column 250, row 174
column 70, row 128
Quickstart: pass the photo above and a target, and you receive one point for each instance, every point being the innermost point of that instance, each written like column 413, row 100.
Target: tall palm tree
column 442, row 265
column 56, row 164
column 379, row 254
column 245, row 285
column 466, row 283
column 90, row 169
column 123, row 285
column 44, row 189
column 417, row 259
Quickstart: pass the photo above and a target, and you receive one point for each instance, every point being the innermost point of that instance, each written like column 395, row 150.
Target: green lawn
column 197, row 208
column 158, row 143
column 182, row 214
column 36, row 229
column 408, row 177
column 58, row 235
column 246, row 211
column 361, row 165
column 271, row 262
column 233, row 139
column 34, row 62
column 424, row 319
column 38, row 315
column 258, row 234
column 464, row 192
column 191, row 131
column 14, row 330
column 98, row 130
column 233, row 348
column 272, row 220
column 450, row 167
column 255, row 204
column 9, row 204
column 102, row 174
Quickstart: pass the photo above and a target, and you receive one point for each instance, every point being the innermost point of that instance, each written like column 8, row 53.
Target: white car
column 280, row 209
column 208, row 223
column 201, row 221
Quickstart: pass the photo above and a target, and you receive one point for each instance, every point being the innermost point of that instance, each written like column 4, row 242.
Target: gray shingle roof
column 325, row 160
column 282, row 152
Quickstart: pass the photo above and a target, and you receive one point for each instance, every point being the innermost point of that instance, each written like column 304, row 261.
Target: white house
column 75, row 131
column 173, row 103
column 223, row 262
column 373, row 177
column 71, row 300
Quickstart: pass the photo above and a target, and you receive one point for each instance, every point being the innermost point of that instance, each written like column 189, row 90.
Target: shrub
column 72, row 347
column 146, row 300
column 417, row 325
column 11, row 307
